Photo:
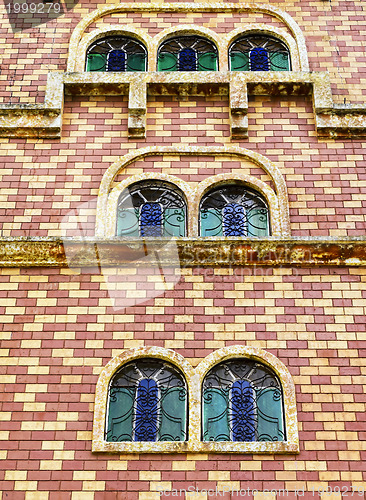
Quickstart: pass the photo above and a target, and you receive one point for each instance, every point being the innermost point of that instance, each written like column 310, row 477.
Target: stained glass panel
column 256, row 52
column 147, row 401
column 151, row 209
column 234, row 210
column 242, row 401
column 187, row 53
column 116, row 53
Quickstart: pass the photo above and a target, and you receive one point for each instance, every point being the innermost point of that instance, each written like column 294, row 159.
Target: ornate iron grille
column 234, row 210
column 242, row 401
column 116, row 53
column 259, row 53
column 148, row 401
column 151, row 208
column 187, row 53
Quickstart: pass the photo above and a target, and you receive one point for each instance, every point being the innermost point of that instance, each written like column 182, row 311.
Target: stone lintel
column 185, row 252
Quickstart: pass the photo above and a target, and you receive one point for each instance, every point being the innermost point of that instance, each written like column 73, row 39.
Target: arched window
column 258, row 52
column 116, row 53
column 242, row 400
column 151, row 208
column 147, row 401
column 187, row 53
column 233, row 210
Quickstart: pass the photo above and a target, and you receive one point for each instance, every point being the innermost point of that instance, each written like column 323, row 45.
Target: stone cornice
column 183, row 252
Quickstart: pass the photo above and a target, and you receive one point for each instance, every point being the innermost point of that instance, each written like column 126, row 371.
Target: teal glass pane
column 174, row 222
column 173, row 414
column 207, row 62
column 120, row 414
column 270, row 415
column 257, row 222
column 128, row 222
column 239, row 61
column 96, row 62
column 215, row 415
column 136, row 62
column 211, row 222
column 279, row 61
column 167, row 62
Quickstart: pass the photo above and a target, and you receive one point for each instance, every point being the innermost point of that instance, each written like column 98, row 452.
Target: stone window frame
column 221, row 41
column 194, row 379
column 109, row 192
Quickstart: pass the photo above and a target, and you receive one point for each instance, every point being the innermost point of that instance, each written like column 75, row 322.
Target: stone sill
column 182, row 252
column 278, row 447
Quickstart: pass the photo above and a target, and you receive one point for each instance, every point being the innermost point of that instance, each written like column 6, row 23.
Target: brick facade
column 60, row 326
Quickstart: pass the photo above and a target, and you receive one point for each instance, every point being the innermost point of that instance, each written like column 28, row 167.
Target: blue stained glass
column 187, row 60
column 242, row 411
column 151, row 220
column 116, row 60
column 234, row 220
column 146, row 416
column 259, row 60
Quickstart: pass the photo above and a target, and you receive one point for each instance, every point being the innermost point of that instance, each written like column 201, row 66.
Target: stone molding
column 194, row 378
column 193, row 252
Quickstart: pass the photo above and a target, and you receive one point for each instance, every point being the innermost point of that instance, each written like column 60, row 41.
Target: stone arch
column 230, row 151
column 185, row 7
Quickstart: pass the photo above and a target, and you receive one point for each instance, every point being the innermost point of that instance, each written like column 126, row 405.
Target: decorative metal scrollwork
column 242, row 401
column 257, row 52
column 187, row 53
column 151, row 209
column 116, row 53
column 148, row 401
column 234, row 210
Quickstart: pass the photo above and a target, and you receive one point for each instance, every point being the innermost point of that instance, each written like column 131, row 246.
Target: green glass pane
column 167, row 62
column 96, row 62
column 173, row 415
column 279, row 61
column 136, row 62
column 215, row 416
column 270, row 415
column 128, row 223
column 211, row 222
column 257, row 222
column 239, row 61
column 120, row 415
column 174, row 222
column 207, row 62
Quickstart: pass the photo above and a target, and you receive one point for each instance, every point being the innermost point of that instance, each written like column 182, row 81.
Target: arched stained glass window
column 234, row 210
column 187, row 53
column 147, row 401
column 242, row 401
column 116, row 53
column 257, row 52
column 151, row 208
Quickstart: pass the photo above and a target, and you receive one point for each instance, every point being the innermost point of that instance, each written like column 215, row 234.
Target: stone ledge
column 332, row 120
column 183, row 252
